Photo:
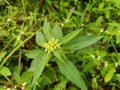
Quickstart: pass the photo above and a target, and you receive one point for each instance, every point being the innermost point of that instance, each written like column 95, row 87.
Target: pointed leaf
column 47, row 30
column 109, row 75
column 81, row 42
column 57, row 32
column 34, row 63
column 17, row 78
column 33, row 53
column 5, row 71
column 69, row 70
column 58, row 55
column 27, row 76
column 2, row 54
column 40, row 67
column 40, row 39
column 61, row 85
column 70, row 36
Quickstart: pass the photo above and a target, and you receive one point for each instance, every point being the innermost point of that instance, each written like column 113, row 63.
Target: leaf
column 41, row 65
column 17, row 78
column 2, row 54
column 33, row 53
column 118, row 38
column 27, row 76
column 59, row 55
column 47, row 30
column 1, row 87
column 40, row 39
column 5, row 71
column 99, row 20
column 57, row 32
column 109, row 75
column 34, row 63
column 69, row 70
column 81, row 42
column 70, row 36
column 101, row 6
column 61, row 85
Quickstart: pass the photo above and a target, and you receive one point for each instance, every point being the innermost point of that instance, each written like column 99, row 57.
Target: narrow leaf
column 47, row 30
column 40, row 67
column 70, row 36
column 61, row 85
column 33, row 53
column 57, row 32
column 27, row 76
column 5, row 71
column 2, row 54
column 58, row 55
column 70, row 71
column 17, row 78
column 109, row 75
column 40, row 39
column 81, row 42
column 34, row 63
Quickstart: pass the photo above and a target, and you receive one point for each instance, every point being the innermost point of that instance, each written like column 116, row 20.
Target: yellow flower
column 51, row 45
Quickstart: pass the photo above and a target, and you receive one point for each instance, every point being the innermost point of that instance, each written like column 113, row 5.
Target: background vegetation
column 87, row 31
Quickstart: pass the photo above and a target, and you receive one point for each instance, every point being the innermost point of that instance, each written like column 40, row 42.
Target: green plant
column 54, row 47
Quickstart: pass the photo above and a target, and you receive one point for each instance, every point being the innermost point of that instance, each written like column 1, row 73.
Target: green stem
column 24, row 7
column 15, row 49
column 19, row 62
column 8, row 79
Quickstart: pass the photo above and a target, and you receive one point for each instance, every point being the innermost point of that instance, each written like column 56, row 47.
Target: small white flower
column 18, row 38
column 62, row 25
column 106, row 64
column 8, row 20
column 24, row 84
column 92, row 56
column 98, row 58
column 101, row 30
column 66, row 20
column 116, row 64
column 8, row 89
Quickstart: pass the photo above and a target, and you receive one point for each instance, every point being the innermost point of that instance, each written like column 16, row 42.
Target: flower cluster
column 51, row 45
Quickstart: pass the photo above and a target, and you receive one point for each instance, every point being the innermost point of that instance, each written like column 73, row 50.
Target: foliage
column 59, row 45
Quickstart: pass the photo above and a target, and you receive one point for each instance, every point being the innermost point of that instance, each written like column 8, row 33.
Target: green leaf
column 70, row 36
column 33, row 53
column 17, row 78
column 99, row 20
column 59, row 55
column 69, row 70
column 109, row 75
column 40, row 39
column 41, row 65
column 57, row 32
column 34, row 63
column 27, row 76
column 61, row 85
column 118, row 38
column 47, row 30
column 81, row 42
column 5, row 71
column 2, row 54
column 1, row 87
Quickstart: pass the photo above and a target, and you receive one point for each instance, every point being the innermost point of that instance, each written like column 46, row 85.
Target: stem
column 19, row 62
column 8, row 79
column 114, row 47
column 24, row 7
column 17, row 47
